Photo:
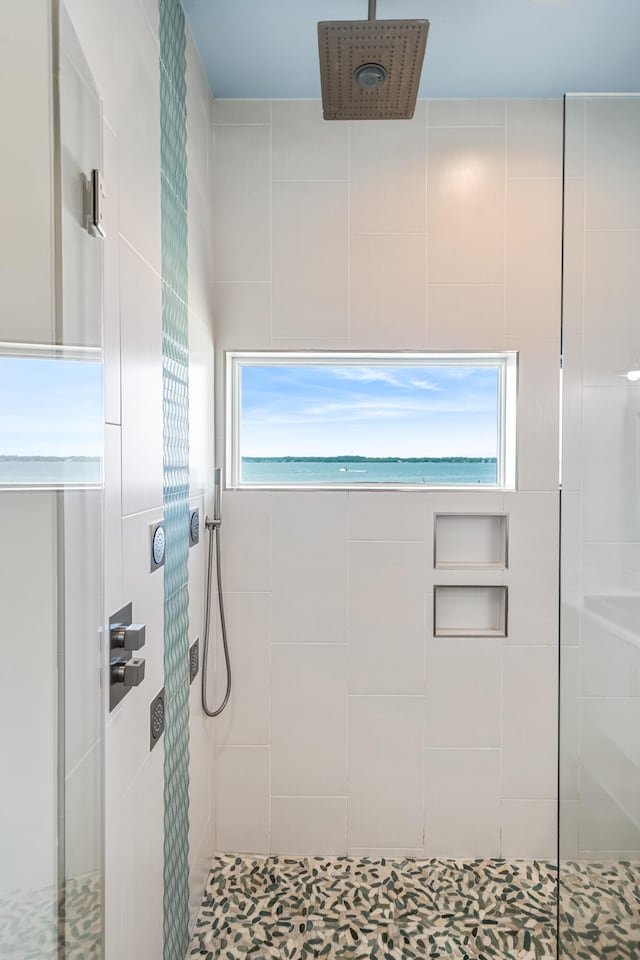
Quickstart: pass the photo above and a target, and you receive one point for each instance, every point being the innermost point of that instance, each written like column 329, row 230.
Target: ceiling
column 477, row 48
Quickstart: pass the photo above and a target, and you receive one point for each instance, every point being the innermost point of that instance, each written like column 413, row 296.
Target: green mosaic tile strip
column 175, row 350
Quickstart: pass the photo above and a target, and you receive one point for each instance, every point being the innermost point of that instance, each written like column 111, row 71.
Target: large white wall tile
column 246, row 542
column 246, row 719
column 534, row 138
column 242, row 799
column 466, row 113
column 463, row 692
column 388, row 175
column 111, row 287
column 573, row 262
column 242, row 111
column 462, row 803
column 574, row 113
column 386, row 785
column 138, row 127
column 142, row 840
column 308, row 719
column 201, row 753
column 309, row 826
column 529, row 829
column 241, row 205
column 611, row 169
column 113, row 582
column 609, row 463
column 538, row 412
column 612, row 289
column 533, row 577
column 466, row 205
column 530, row 723
column 96, row 25
column 466, row 316
column 385, row 515
column 243, row 316
column 388, row 294
column 201, row 407
column 141, row 319
column 305, row 147
column 83, row 800
column 534, row 262
column 386, row 617
column 309, row 567
column 310, row 253
column 26, row 270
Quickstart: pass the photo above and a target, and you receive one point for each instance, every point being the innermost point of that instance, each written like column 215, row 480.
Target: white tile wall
column 308, row 826
column 310, row 257
column 386, row 791
column 308, row 753
column 466, row 204
column 530, row 723
column 463, row 685
column 462, row 820
column 242, row 799
column 388, row 291
column 309, row 568
column 349, row 577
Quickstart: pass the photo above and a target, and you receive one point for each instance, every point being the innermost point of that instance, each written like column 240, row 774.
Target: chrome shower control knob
column 129, row 672
column 128, row 638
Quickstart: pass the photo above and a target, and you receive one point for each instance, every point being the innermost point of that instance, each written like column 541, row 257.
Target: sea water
column 440, row 472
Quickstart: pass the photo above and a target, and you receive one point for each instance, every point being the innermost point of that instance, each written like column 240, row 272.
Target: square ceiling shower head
column 370, row 69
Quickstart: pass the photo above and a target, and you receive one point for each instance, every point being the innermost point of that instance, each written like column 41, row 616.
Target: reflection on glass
column 51, row 414
column 600, row 608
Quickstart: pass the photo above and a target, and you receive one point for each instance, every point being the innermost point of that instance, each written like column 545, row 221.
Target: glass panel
column 80, row 279
column 51, row 450
column 600, row 603
column 342, row 421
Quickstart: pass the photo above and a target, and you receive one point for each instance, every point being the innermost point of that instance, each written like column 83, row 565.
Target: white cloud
column 367, row 375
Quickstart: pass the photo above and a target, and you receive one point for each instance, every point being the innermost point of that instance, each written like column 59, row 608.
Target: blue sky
column 50, row 407
column 369, row 410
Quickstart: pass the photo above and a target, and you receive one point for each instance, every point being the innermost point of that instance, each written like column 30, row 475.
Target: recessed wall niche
column 469, row 611
column 477, row 540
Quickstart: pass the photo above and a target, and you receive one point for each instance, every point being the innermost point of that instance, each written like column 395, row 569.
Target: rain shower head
column 370, row 69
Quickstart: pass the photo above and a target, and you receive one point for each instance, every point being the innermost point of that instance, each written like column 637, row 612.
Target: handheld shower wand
column 212, row 525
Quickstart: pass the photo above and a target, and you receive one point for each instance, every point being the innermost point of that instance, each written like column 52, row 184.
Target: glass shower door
column 51, row 492
column 600, row 609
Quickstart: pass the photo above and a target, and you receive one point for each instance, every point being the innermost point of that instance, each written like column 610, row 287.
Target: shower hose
column 213, row 526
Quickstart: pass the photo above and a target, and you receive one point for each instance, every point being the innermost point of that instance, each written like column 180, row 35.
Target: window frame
column 505, row 360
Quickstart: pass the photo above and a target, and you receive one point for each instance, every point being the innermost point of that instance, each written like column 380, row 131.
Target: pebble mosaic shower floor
column 352, row 909
column 348, row 909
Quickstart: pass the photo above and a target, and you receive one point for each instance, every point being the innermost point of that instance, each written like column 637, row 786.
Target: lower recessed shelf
column 469, row 611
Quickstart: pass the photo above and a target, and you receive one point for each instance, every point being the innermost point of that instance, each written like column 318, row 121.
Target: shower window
column 371, row 420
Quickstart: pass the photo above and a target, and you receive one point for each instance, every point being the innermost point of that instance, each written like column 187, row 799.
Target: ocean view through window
column 51, row 416
column 375, row 419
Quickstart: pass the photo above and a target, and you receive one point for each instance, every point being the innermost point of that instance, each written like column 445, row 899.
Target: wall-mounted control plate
column 156, row 719
column 125, row 670
column 158, row 546
column 194, row 527
column 194, row 659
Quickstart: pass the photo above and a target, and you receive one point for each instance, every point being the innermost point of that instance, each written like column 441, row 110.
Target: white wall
column 601, row 512
column 351, row 729
column 121, row 43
